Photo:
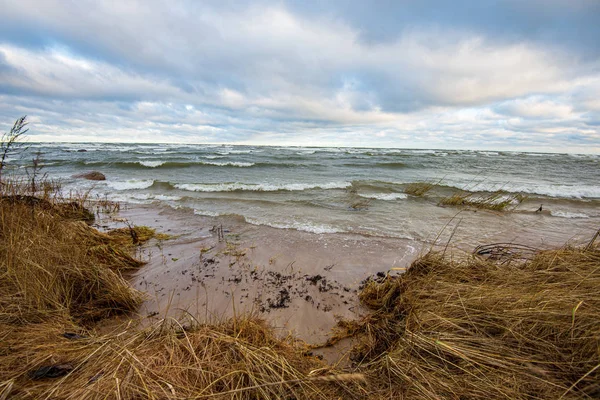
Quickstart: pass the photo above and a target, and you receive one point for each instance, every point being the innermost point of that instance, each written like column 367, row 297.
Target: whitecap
column 240, row 151
column 566, row 214
column 422, row 151
column 131, row 184
column 230, row 164
column 384, row 196
column 164, row 197
column 264, row 187
column 299, row 226
column 207, row 213
column 151, row 164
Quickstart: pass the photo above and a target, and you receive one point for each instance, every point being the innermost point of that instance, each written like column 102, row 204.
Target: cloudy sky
column 390, row 73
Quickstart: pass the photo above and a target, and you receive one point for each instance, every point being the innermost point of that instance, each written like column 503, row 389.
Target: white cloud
column 58, row 74
column 537, row 107
column 250, row 73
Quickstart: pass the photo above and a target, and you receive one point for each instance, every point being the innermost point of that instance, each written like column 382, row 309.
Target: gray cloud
column 391, row 74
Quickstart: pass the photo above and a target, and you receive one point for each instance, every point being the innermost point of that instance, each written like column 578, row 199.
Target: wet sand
column 300, row 282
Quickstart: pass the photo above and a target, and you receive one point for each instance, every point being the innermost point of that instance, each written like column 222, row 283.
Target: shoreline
column 301, row 283
column 450, row 326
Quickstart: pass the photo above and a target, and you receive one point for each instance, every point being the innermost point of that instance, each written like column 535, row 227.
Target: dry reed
column 60, row 279
column 418, row 188
column 520, row 324
column 496, row 201
column 483, row 329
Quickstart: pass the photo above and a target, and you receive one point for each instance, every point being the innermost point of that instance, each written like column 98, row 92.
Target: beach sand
column 300, row 282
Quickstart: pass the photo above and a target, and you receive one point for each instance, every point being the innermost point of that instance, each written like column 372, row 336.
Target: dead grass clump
column 132, row 235
column 58, row 275
column 483, row 329
column 240, row 358
column 53, row 264
column 68, row 210
column 418, row 188
column 496, row 201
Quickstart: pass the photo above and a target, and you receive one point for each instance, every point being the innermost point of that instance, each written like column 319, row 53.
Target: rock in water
column 92, row 176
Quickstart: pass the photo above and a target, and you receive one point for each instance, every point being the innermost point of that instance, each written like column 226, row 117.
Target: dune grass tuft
column 239, row 358
column 485, row 329
column 496, row 201
column 54, row 264
column 60, row 279
column 418, row 188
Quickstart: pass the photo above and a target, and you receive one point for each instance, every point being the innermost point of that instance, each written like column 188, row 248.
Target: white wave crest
column 240, row 151
column 131, row 184
column 164, row 197
column 384, row 196
column 263, row 187
column 151, row 164
column 566, row 214
column 422, row 151
column 207, row 213
column 551, row 190
column 299, row 226
column 230, row 164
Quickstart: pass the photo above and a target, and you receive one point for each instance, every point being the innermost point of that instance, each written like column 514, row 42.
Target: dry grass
column 60, row 278
column 483, row 329
column 240, row 359
column 518, row 325
column 418, row 188
column 497, row 201
column 54, row 264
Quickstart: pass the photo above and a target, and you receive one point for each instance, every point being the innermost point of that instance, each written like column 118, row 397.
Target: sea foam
column 263, row 187
column 131, row 184
column 384, row 196
column 299, row 226
column 566, row 214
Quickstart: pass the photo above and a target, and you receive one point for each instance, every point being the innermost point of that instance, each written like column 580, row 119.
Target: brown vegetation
column 497, row 201
column 418, row 188
column 60, row 279
column 483, row 329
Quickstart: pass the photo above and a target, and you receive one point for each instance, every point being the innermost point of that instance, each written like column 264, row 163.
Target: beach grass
column 519, row 328
column 483, row 328
column 496, row 201
column 418, row 188
column 239, row 358
column 61, row 280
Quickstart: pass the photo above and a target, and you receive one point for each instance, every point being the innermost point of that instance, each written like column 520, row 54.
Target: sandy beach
column 302, row 283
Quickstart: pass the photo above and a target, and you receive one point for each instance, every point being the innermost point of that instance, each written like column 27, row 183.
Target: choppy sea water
column 331, row 190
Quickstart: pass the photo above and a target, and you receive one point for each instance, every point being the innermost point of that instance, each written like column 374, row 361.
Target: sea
column 327, row 190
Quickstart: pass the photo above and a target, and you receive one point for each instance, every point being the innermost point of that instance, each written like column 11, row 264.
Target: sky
column 482, row 74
